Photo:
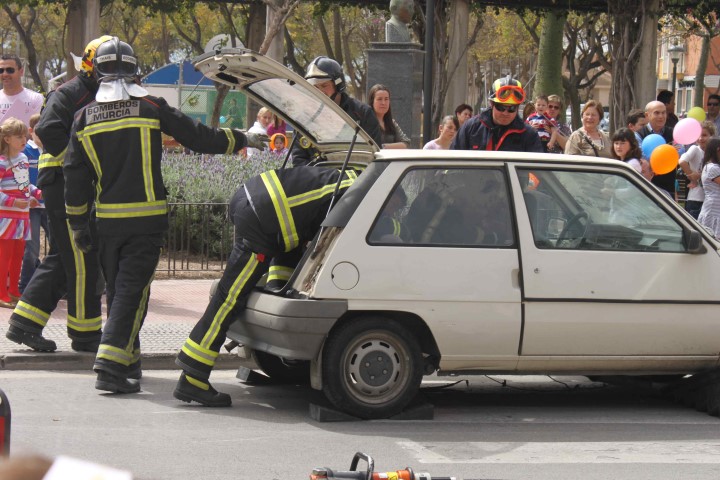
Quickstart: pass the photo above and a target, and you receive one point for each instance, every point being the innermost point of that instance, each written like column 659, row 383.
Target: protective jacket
column 117, row 147
column 292, row 203
column 56, row 123
column 360, row 112
column 481, row 133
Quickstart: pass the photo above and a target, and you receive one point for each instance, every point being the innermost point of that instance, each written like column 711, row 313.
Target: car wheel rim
column 376, row 368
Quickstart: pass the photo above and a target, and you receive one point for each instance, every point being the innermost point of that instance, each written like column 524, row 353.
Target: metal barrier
column 200, row 238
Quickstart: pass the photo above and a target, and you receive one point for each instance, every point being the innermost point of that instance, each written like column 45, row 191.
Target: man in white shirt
column 16, row 100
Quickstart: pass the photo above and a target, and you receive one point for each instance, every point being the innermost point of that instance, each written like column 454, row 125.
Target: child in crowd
column 279, row 144
column 545, row 126
column 17, row 196
column 277, row 125
column 38, row 218
column 626, row 149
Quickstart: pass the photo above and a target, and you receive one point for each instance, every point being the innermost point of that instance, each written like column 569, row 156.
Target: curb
column 76, row 361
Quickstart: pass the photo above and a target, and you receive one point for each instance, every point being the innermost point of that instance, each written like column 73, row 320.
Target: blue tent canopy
column 170, row 75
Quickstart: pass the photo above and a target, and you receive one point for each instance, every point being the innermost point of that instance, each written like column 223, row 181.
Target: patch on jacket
column 112, row 111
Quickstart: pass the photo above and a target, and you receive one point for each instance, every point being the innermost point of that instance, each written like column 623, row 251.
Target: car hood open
column 313, row 114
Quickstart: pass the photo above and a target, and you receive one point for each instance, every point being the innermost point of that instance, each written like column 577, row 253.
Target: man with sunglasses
column 30, row 103
column 499, row 127
column 713, row 110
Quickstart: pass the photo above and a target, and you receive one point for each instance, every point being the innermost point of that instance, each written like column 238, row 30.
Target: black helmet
column 507, row 90
column 322, row 69
column 114, row 59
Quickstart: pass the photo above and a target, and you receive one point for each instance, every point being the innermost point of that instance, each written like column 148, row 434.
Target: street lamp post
column 675, row 51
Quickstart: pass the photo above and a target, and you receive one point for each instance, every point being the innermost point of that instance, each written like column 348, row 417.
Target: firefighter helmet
column 114, row 59
column 324, row 68
column 86, row 63
column 507, row 90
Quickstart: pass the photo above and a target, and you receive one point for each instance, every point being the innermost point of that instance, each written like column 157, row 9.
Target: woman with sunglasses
column 589, row 140
column 499, row 127
column 555, row 106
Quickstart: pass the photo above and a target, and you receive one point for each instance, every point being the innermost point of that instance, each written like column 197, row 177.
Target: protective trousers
column 244, row 269
column 64, row 271
column 129, row 264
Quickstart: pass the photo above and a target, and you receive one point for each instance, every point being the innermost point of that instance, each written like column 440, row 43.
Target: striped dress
column 15, row 183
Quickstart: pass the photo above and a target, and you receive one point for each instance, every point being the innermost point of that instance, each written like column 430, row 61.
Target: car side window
column 596, row 211
column 465, row 207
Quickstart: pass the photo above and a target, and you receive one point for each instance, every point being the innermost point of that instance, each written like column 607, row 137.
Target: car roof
column 493, row 156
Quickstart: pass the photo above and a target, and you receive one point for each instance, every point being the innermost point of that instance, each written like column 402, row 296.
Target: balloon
column 687, row 131
column 223, row 119
column 650, row 143
column 697, row 113
column 664, row 159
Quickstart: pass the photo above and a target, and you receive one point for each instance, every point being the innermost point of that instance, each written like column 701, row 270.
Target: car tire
column 372, row 367
column 283, row 371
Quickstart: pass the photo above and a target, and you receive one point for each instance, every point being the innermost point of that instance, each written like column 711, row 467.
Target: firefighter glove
column 257, row 140
column 83, row 239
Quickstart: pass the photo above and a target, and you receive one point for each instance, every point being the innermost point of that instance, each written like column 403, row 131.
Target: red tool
column 4, row 425
column 323, row 473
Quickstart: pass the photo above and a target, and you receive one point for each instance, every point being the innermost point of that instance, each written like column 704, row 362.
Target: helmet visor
column 510, row 94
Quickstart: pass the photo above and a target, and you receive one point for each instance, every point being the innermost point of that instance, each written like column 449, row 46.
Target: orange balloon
column 664, row 159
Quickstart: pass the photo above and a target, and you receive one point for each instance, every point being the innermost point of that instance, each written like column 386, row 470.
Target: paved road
column 533, row 428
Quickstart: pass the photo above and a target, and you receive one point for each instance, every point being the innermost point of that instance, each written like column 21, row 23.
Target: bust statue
column 396, row 29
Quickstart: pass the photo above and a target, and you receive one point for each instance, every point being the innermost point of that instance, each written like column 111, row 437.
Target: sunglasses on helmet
column 505, row 108
column 508, row 92
column 9, row 70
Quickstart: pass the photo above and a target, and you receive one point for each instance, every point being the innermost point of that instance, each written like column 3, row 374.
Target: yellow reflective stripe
column 136, row 355
column 130, row 210
column 130, row 122
column 278, row 272
column 396, row 227
column 114, row 354
column 282, row 209
column 94, row 161
column 313, row 195
column 351, row 174
column 137, row 321
column 84, row 325
column 46, row 160
column 33, row 314
column 197, row 383
column 147, row 164
column 234, row 292
column 80, row 276
column 231, row 140
column 81, row 210
column 198, row 353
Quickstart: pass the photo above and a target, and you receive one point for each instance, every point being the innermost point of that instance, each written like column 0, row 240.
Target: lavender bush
column 207, row 179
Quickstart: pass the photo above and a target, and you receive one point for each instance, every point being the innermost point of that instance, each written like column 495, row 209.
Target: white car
column 460, row 262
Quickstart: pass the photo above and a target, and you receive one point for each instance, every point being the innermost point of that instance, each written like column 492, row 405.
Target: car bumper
column 287, row 327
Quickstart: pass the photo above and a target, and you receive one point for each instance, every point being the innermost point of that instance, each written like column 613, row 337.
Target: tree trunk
column 548, row 80
column 699, row 95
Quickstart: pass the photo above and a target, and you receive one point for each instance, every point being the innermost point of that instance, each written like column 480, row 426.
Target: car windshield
column 297, row 105
column 596, row 210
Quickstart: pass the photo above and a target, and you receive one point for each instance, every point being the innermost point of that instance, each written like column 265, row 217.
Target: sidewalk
column 175, row 307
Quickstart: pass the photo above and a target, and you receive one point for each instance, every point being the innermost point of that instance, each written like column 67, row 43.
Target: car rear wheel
column 372, row 367
column 281, row 370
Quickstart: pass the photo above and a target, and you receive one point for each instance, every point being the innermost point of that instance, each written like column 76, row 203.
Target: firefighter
column 65, row 270
column 114, row 160
column 327, row 76
column 275, row 212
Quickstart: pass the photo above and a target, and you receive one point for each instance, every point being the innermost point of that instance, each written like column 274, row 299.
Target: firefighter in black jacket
column 328, row 77
column 273, row 213
column 65, row 270
column 114, row 160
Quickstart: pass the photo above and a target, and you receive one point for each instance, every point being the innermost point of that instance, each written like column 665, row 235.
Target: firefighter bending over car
column 65, row 270
column 114, row 160
column 273, row 213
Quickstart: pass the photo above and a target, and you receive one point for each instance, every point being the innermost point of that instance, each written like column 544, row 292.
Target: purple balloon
column 687, row 131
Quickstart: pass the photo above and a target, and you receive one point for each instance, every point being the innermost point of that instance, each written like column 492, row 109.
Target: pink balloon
column 687, row 131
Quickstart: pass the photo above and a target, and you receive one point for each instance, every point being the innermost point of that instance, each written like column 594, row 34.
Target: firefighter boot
column 115, row 384
column 135, row 370
column 33, row 340
column 85, row 346
column 191, row 389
